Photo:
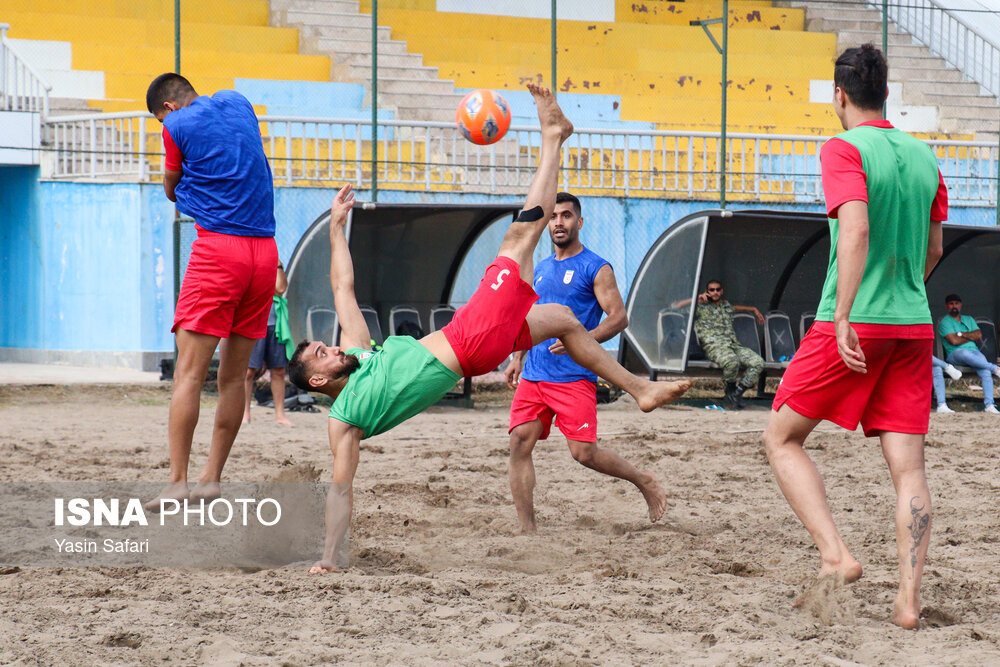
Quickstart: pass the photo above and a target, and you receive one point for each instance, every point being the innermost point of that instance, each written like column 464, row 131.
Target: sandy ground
column 439, row 577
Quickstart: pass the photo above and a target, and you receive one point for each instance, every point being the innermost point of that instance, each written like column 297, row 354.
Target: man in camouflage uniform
column 713, row 323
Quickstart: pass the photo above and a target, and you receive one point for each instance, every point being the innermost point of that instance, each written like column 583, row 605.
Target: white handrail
column 22, row 87
column 321, row 152
column 951, row 36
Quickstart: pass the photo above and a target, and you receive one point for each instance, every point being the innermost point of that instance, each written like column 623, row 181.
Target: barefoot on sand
column 549, row 113
column 655, row 497
column 661, row 393
column 283, row 421
column 322, row 567
column 906, row 616
column 207, row 491
column 175, row 491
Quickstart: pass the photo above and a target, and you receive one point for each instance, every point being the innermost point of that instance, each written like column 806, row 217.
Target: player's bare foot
column 207, row 491
column 175, row 491
column 656, row 394
column 549, row 114
column 322, row 567
column 283, row 421
column 654, row 495
column 906, row 613
column 847, row 568
column 527, row 529
column 246, row 417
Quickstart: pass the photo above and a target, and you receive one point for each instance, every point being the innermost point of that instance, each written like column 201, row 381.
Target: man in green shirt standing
column 961, row 333
column 867, row 357
column 373, row 392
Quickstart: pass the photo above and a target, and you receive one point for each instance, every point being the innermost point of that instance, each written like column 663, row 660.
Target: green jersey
column 950, row 325
column 391, row 385
column 899, row 179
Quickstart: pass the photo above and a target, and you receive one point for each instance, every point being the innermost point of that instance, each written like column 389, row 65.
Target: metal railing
column 949, row 35
column 428, row 156
column 22, row 88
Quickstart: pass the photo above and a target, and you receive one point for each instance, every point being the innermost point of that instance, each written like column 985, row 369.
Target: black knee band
column 530, row 215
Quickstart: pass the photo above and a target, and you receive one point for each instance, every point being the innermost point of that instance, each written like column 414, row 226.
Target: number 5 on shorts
column 500, row 276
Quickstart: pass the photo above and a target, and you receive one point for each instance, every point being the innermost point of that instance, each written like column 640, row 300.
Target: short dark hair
column 563, row 197
column 169, row 87
column 713, row 280
column 297, row 372
column 863, row 74
column 953, row 297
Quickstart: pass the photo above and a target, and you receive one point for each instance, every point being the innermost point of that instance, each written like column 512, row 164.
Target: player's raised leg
column 803, row 488
column 523, row 234
column 556, row 321
column 905, row 455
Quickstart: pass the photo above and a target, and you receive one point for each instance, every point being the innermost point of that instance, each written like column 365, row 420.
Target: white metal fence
column 22, row 88
column 312, row 152
column 953, row 35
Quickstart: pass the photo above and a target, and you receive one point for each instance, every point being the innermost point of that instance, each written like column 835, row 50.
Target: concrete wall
column 86, row 270
column 88, row 276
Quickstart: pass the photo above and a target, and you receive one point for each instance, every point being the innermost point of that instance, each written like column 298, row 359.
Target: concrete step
column 848, row 38
column 364, row 72
column 412, row 86
column 342, row 33
column 841, row 12
column 969, row 125
column 65, row 106
column 341, row 49
column 922, row 73
column 836, row 24
column 964, row 113
column 914, row 89
column 330, row 18
column 340, row 6
column 927, row 61
column 405, row 60
column 970, row 101
column 910, row 51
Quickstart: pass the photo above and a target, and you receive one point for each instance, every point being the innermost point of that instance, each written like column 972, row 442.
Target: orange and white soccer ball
column 483, row 117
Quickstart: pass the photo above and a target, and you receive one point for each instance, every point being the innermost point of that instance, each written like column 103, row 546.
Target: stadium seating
column 440, row 316
column 779, row 344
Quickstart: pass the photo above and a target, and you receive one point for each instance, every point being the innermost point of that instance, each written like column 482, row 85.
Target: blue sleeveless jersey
column 226, row 186
column 571, row 283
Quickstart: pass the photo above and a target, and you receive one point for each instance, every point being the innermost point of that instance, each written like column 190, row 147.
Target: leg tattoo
column 918, row 528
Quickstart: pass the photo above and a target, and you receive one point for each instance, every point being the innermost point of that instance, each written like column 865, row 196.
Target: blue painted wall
column 90, row 266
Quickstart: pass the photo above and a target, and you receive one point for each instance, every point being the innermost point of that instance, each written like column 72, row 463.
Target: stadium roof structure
column 404, row 254
column 776, row 261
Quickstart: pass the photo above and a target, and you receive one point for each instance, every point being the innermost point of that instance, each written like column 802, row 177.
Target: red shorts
column 573, row 404
column 492, row 324
column 228, row 286
column 894, row 395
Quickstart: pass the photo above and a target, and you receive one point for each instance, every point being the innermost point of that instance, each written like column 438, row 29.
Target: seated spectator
column 713, row 322
column 960, row 334
column 938, row 369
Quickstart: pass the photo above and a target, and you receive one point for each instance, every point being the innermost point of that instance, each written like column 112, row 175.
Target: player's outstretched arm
column 353, row 329
column 345, row 443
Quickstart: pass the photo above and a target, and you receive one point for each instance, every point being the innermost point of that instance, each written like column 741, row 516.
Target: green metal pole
column 725, row 88
column 177, row 36
column 885, row 47
column 553, row 47
column 374, row 100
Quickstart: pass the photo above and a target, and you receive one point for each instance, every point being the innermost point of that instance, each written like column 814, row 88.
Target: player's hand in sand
column 322, row 567
column 850, row 347
column 342, row 204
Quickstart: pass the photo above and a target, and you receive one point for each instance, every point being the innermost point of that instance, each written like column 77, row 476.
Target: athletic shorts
column 269, row 352
column 492, row 324
column 894, row 395
column 573, row 404
column 228, row 286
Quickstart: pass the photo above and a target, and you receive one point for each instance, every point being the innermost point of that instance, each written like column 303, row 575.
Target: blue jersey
column 569, row 282
column 226, row 186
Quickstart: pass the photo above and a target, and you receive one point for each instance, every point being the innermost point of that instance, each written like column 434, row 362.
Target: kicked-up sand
column 439, row 576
